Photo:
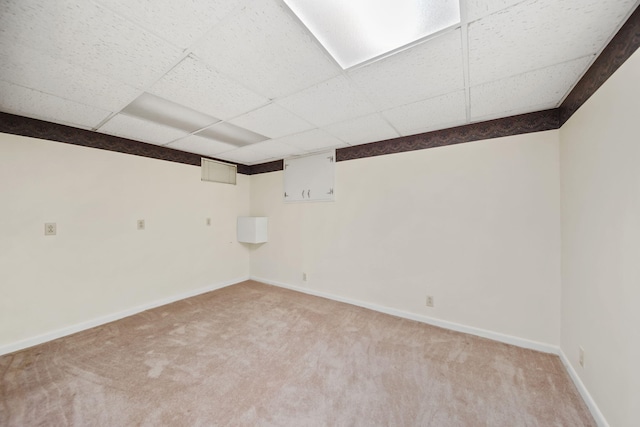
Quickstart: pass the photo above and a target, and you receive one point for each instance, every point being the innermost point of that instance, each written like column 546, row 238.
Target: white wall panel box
column 252, row 229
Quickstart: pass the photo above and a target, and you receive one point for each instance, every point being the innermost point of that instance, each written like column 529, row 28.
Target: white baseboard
column 496, row 336
column 507, row 339
column 591, row 404
column 59, row 333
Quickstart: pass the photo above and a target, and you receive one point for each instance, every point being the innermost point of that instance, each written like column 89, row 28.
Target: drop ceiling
column 244, row 81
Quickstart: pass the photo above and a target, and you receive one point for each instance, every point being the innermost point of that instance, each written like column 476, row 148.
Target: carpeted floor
column 253, row 354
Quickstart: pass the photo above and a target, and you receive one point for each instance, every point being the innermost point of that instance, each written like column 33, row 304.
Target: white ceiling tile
column 267, row 50
column 246, row 155
column 272, row 121
column 90, row 36
column 23, row 66
column 545, row 87
column 424, row 71
column 329, row 102
column 479, row 8
column 194, row 84
column 180, row 23
column 431, row 114
column 311, row 140
column 362, row 130
column 276, row 150
column 140, row 130
column 200, row 145
column 539, row 33
column 32, row 103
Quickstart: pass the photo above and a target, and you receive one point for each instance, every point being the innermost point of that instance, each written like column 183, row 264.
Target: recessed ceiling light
column 159, row 110
column 356, row 31
column 231, row 134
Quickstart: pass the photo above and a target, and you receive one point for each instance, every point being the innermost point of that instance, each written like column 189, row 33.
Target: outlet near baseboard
column 429, row 301
column 581, row 356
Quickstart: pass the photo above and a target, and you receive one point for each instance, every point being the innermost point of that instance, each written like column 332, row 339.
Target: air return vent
column 213, row 171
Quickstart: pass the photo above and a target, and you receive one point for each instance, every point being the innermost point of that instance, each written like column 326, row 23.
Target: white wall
column 600, row 157
column 99, row 263
column 475, row 225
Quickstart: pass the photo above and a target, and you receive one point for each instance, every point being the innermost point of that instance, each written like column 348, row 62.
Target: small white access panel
column 310, row 178
column 252, row 229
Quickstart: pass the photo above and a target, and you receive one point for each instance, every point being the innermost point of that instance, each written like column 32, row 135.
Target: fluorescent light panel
column 231, row 134
column 159, row 110
column 356, row 31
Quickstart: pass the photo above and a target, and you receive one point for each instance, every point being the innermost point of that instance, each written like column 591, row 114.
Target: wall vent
column 213, row 171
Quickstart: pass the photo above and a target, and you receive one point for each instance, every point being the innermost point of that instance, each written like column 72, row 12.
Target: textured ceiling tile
column 479, row 8
column 267, row 50
column 24, row 66
column 276, row 150
column 194, row 84
column 424, row 71
column 179, row 22
column 514, row 95
column 312, row 140
column 140, row 130
column 199, row 145
column 38, row 105
column 272, row 121
column 539, row 33
column 329, row 102
column 246, row 155
column 90, row 36
column 363, row 130
column 432, row 114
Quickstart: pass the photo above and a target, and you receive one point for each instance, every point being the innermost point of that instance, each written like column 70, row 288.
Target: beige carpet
column 256, row 355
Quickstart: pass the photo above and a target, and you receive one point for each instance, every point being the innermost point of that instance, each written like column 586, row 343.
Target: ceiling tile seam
column 71, row 64
column 598, row 53
column 625, row 43
column 106, row 6
column 152, row 33
column 270, row 102
column 364, row 96
column 408, row 46
column 496, row 11
column 533, row 70
column 146, row 89
column 313, row 38
column 231, row 78
column 134, row 23
column 55, row 96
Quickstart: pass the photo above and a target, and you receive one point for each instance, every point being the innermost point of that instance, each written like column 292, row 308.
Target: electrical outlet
column 581, row 356
column 304, row 277
column 50, row 229
column 141, row 224
column 429, row 301
column 208, row 221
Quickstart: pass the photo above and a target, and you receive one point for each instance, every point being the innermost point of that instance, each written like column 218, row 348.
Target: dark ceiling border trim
column 25, row 126
column 620, row 48
column 508, row 126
